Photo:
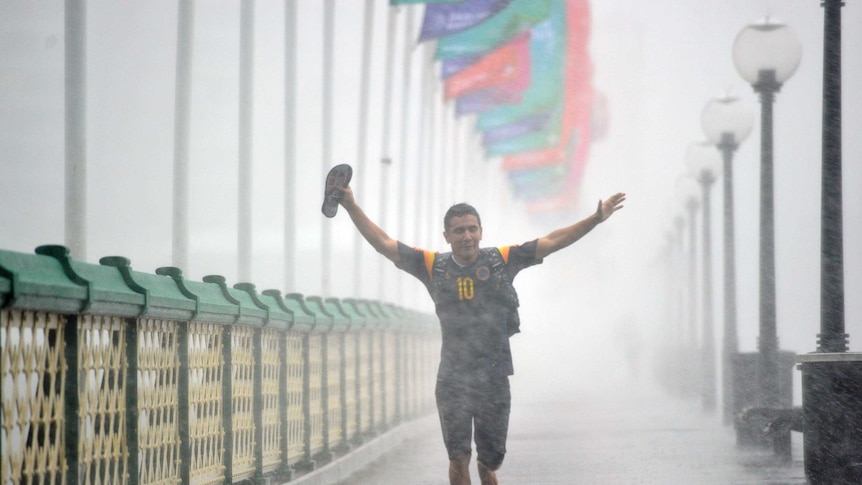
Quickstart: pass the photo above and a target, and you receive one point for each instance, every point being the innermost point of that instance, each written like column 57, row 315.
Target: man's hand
column 608, row 207
column 345, row 197
column 565, row 236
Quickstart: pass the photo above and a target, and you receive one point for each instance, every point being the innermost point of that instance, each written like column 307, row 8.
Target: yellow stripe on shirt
column 504, row 250
column 429, row 262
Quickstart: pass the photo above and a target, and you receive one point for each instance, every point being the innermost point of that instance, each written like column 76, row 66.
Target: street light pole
column 767, row 54
column 727, row 146
column 691, row 208
column 679, row 291
column 730, row 347
column 689, row 194
column 679, row 360
column 832, row 337
column 727, row 122
column 767, row 342
column 704, row 166
column 832, row 376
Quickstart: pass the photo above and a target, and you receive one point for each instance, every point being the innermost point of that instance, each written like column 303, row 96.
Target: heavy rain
column 598, row 319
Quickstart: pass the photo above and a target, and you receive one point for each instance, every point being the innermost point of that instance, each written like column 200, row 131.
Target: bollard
column 746, row 396
column 832, row 404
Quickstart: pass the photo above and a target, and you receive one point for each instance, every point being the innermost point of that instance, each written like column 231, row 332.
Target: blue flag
column 408, row 2
column 519, row 16
column 522, row 127
column 454, row 65
column 547, row 69
column 449, row 18
column 485, row 99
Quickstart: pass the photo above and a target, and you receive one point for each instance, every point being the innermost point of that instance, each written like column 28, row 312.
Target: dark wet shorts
column 483, row 406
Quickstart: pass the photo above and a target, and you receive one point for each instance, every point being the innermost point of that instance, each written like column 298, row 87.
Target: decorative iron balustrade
column 114, row 376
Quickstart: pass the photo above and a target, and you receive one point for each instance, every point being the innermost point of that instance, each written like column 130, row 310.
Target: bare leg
column 459, row 470
column 486, row 475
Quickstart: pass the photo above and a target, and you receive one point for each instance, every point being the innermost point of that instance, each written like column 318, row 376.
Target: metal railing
column 114, row 376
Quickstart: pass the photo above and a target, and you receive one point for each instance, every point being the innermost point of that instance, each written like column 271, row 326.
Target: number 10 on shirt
column 466, row 290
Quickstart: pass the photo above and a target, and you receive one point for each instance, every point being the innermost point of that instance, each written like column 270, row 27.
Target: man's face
column 463, row 235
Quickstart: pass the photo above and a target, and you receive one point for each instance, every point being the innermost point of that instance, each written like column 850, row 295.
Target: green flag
column 518, row 17
column 408, row 2
column 547, row 69
column 537, row 140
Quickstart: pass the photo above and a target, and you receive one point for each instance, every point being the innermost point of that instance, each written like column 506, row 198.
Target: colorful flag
column 454, row 65
column 510, row 92
column 519, row 16
column 529, row 124
column 540, row 116
column 408, row 2
column 508, row 62
column 576, row 122
column 537, row 140
column 547, row 49
column 450, row 18
column 541, row 158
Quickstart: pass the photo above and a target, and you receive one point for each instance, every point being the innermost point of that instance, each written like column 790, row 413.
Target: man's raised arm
column 565, row 236
column 372, row 233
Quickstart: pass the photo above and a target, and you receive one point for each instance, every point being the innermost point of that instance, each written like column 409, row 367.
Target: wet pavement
column 614, row 436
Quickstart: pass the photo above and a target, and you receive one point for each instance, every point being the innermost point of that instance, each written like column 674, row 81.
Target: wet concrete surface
column 614, row 436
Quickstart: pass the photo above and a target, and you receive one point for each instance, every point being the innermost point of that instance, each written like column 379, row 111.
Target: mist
column 592, row 314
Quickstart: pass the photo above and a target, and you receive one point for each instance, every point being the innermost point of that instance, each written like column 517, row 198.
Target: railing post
column 372, row 403
column 306, row 400
column 132, row 411
column 183, row 402
column 257, row 403
column 72, row 399
column 357, row 343
column 342, row 387
column 386, row 414
column 324, row 392
column 227, row 403
column 399, row 373
column 284, row 470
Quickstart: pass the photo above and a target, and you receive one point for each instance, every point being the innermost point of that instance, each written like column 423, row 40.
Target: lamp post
column 678, row 268
column 832, row 376
column 766, row 54
column 704, row 165
column 688, row 193
column 832, row 337
column 727, row 122
column 676, row 358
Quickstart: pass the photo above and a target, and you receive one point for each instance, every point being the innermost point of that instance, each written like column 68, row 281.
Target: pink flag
column 500, row 66
column 576, row 124
column 509, row 92
column 573, row 148
column 576, row 129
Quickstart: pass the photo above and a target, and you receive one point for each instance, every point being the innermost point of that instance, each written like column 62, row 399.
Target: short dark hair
column 458, row 210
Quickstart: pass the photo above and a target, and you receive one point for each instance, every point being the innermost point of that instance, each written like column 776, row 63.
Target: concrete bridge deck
column 614, row 436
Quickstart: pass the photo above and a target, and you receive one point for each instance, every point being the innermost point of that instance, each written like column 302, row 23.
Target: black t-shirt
column 472, row 315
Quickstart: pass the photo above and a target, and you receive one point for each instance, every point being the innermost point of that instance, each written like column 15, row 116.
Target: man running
column 477, row 307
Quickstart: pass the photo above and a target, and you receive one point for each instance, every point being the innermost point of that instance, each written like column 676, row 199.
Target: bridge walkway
column 608, row 436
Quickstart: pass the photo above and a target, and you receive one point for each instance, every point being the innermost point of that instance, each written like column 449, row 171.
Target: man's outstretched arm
column 565, row 236
column 372, row 233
